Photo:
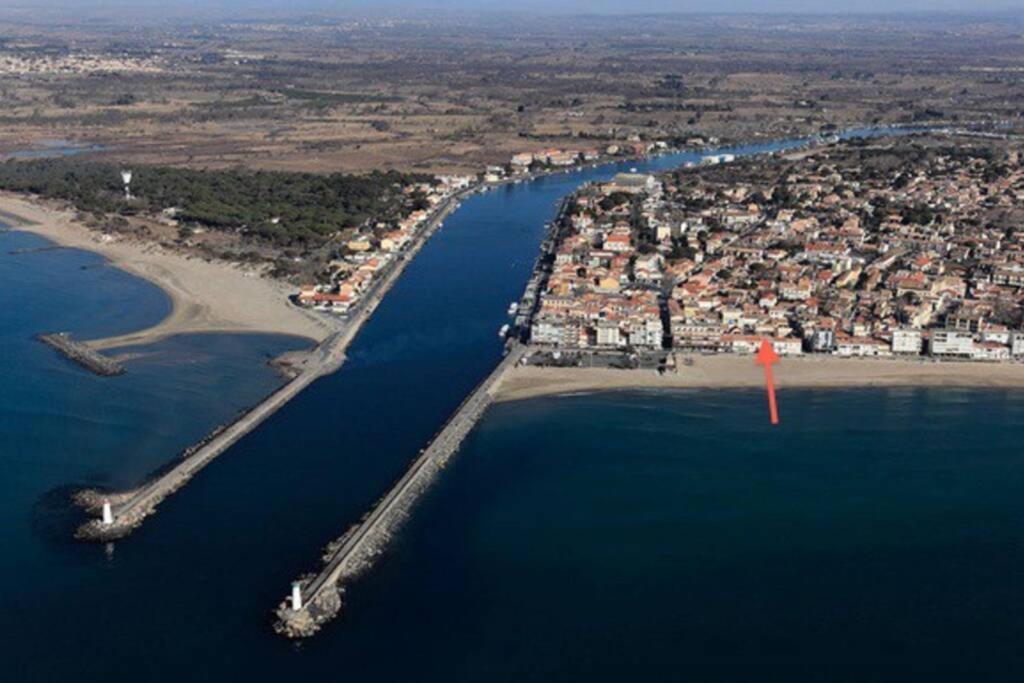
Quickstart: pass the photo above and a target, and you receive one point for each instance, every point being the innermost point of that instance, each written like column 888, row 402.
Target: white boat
column 503, row 332
column 513, row 308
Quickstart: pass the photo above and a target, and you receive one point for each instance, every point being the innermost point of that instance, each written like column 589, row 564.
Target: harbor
column 118, row 514
column 222, row 557
column 317, row 598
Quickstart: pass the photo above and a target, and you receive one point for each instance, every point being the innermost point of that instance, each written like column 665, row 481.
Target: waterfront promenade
column 128, row 509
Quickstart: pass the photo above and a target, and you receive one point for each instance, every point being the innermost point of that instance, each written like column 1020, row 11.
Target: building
column 522, row 160
column 861, row 347
column 951, row 343
column 634, row 183
column 1017, row 343
column 823, row 339
column 906, row 341
column 991, row 351
column 751, row 343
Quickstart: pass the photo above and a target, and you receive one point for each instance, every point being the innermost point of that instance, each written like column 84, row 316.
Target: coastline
column 206, row 296
column 735, row 372
column 134, row 506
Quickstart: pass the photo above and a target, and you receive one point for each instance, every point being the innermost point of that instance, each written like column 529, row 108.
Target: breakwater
column 126, row 510
column 316, row 599
column 82, row 354
column 129, row 509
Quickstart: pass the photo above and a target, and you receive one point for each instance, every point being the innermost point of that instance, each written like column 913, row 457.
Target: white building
column 951, row 343
column 863, row 347
column 991, row 351
column 634, row 183
column 522, row 160
column 751, row 344
column 608, row 334
column 906, row 341
column 1017, row 343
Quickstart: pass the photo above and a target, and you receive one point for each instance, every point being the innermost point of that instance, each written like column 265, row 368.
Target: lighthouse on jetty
column 108, row 514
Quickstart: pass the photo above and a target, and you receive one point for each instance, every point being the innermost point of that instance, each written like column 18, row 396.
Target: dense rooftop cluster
column 905, row 247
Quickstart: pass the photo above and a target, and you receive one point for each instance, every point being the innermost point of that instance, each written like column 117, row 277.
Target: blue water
column 597, row 537
column 56, row 148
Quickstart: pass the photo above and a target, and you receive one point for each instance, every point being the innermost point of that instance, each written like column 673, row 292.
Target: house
column 990, row 351
column 360, row 243
column 522, row 160
column 619, row 243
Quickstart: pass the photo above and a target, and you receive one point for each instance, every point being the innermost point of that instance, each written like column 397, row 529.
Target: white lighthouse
column 126, row 176
column 108, row 514
column 296, row 596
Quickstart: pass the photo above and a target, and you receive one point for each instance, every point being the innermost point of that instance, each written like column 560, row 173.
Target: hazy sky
column 547, row 6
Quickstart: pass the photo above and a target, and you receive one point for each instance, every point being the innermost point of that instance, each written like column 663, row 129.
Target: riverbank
column 733, row 371
column 206, row 296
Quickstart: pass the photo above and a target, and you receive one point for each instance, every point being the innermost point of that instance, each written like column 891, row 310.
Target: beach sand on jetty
column 207, row 297
column 732, row 371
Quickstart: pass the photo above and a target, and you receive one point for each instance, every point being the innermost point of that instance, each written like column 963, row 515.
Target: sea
column 874, row 535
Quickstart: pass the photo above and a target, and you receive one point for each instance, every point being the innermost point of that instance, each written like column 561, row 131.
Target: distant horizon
column 278, row 8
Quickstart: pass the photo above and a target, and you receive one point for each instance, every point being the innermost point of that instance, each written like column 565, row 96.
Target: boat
column 513, row 308
column 503, row 332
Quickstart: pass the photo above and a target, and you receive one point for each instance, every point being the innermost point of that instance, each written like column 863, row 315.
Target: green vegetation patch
column 289, row 209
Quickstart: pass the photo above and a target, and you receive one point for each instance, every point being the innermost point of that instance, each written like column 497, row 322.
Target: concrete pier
column 137, row 505
column 81, row 353
column 320, row 596
column 130, row 508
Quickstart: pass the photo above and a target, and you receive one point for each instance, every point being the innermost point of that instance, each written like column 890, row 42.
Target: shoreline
column 740, row 372
column 206, row 297
column 137, row 505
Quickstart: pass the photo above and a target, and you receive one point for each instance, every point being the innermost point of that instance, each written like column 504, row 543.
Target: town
column 370, row 249
column 865, row 249
column 373, row 249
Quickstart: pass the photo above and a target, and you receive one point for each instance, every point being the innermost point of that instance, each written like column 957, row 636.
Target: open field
column 454, row 93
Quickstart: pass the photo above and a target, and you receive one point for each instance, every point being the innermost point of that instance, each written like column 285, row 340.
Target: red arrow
column 767, row 357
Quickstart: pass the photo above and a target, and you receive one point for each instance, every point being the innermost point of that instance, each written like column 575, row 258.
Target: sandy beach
column 731, row 371
column 206, row 297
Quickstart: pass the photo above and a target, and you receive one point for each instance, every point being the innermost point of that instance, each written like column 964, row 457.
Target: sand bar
column 206, row 296
column 732, row 371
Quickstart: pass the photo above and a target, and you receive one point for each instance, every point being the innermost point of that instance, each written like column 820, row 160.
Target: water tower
column 126, row 176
